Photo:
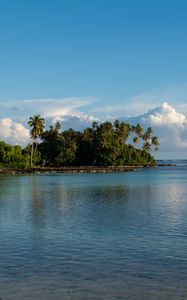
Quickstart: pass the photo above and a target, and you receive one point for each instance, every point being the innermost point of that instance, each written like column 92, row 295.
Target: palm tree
column 124, row 131
column 155, row 142
column 146, row 146
column 37, row 126
column 138, row 131
column 150, row 140
column 57, row 126
column 135, row 140
column 95, row 125
column 147, row 135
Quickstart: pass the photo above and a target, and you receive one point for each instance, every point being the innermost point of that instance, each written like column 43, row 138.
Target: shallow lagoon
column 94, row 236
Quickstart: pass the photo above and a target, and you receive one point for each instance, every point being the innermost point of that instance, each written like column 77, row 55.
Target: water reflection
column 93, row 237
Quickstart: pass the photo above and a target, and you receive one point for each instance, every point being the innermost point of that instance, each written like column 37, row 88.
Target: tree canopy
column 104, row 144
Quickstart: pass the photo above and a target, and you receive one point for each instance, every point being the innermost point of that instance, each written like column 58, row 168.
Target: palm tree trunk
column 32, row 149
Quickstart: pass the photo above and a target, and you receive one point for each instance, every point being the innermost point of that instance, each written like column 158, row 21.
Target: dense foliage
column 13, row 156
column 104, row 144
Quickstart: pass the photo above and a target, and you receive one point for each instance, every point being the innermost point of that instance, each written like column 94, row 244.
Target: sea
column 94, row 236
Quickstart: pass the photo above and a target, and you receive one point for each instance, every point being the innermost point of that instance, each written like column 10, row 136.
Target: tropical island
column 108, row 145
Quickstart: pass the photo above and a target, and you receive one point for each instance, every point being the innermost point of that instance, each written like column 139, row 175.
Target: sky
column 95, row 59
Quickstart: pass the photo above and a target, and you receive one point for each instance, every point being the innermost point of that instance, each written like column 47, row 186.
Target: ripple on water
column 94, row 236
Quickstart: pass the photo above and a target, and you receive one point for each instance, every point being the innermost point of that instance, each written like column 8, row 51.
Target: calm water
column 94, row 236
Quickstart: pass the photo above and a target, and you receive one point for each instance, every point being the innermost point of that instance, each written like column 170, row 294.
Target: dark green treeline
column 103, row 144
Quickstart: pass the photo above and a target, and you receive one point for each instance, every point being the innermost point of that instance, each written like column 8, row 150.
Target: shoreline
column 81, row 169
column 78, row 169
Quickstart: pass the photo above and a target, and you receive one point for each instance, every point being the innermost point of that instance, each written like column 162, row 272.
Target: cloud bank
column 45, row 107
column 68, row 111
column 13, row 132
column 169, row 124
column 165, row 115
column 171, row 128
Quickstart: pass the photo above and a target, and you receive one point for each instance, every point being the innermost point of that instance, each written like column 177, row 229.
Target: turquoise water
column 94, row 236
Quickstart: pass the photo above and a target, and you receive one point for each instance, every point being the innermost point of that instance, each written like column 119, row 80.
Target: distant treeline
column 104, row 144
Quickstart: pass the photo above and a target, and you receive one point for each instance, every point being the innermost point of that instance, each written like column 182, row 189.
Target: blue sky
column 111, row 50
column 100, row 58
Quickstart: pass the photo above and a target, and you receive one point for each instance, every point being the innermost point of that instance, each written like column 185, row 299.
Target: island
column 103, row 147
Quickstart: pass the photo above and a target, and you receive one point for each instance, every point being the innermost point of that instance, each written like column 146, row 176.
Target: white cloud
column 169, row 125
column 15, row 130
column 140, row 103
column 77, row 122
column 12, row 132
column 167, row 115
column 169, row 122
column 44, row 107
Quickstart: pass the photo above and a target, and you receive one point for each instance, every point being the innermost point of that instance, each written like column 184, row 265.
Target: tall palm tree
column 37, row 126
column 57, row 126
column 147, row 135
column 138, row 131
column 150, row 140
column 124, row 131
column 155, row 142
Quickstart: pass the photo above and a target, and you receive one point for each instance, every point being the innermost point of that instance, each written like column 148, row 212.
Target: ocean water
column 94, row 236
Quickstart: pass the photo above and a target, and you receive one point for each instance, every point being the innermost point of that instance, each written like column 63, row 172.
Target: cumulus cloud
column 166, row 115
column 169, row 125
column 168, row 122
column 68, row 111
column 138, row 104
column 12, row 132
column 77, row 122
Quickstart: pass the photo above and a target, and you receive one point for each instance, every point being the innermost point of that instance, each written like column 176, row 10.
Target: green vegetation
column 37, row 126
column 104, row 144
column 13, row 156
